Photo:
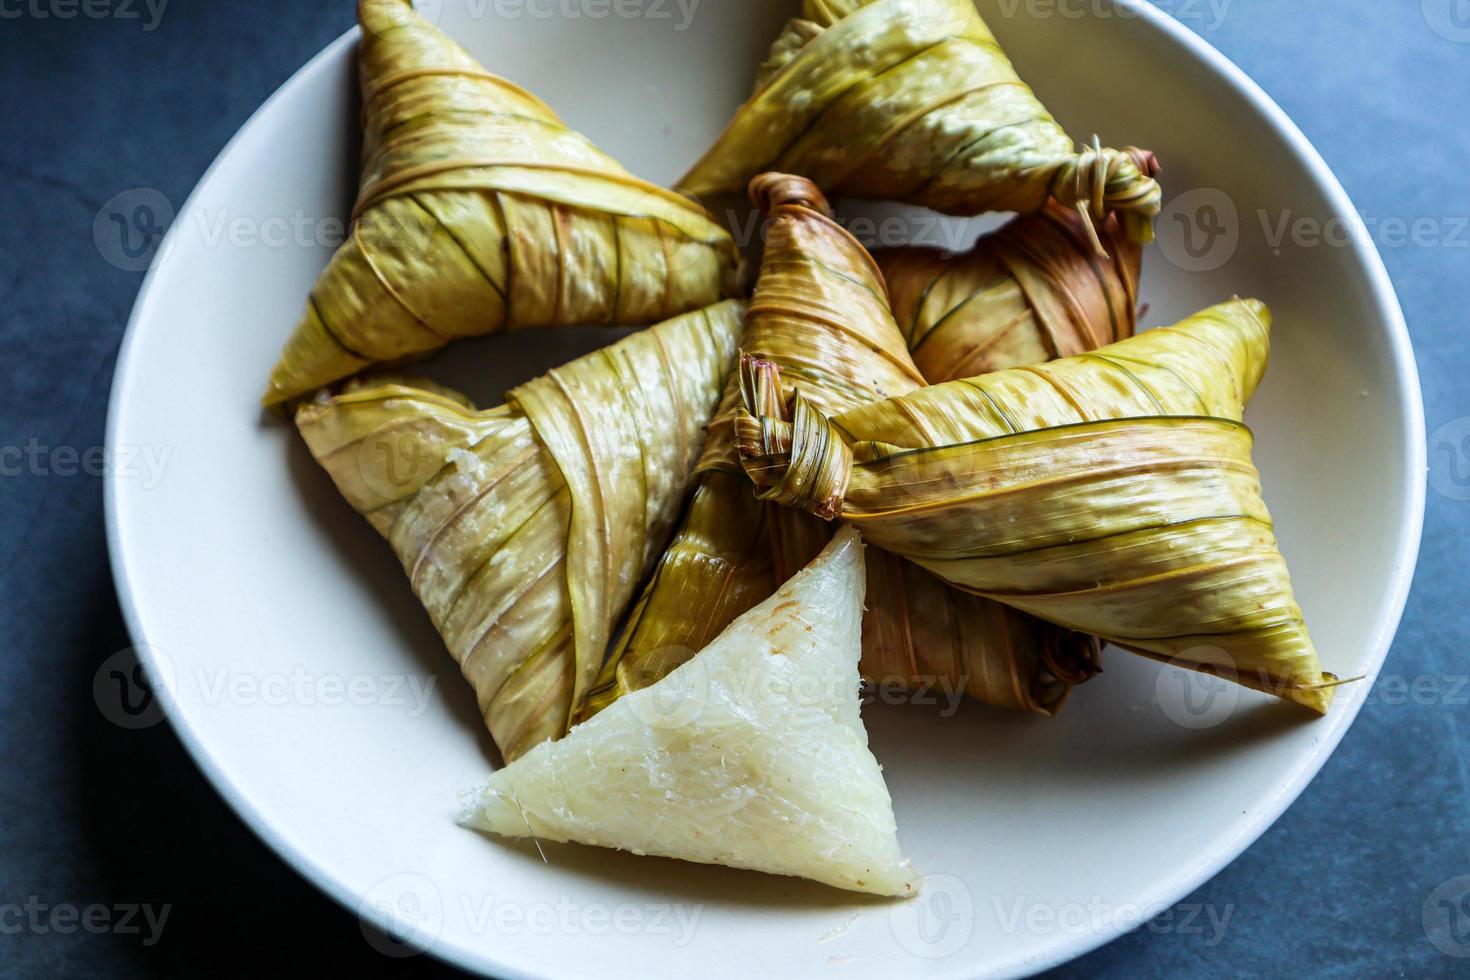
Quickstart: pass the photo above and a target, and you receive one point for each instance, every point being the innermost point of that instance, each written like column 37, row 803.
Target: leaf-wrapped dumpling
column 525, row 529
column 1111, row 493
column 480, row 211
column 914, row 101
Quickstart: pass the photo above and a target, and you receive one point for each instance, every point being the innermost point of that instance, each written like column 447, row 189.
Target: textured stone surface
column 93, row 814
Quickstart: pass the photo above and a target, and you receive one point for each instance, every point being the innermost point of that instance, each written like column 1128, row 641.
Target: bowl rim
column 1168, row 890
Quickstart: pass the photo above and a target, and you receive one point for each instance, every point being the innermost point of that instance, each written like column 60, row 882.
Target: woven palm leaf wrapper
column 480, row 211
column 820, row 310
column 914, row 101
column 525, row 529
column 1032, row 291
column 1111, row 492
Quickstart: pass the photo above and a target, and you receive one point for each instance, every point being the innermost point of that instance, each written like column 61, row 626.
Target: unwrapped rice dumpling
column 751, row 755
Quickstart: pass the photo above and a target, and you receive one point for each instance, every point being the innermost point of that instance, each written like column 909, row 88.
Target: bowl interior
column 310, row 685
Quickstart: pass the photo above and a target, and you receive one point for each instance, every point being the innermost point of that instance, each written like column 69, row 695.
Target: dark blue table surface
column 94, row 815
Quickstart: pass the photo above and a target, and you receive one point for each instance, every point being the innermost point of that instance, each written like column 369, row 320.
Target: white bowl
column 253, row 591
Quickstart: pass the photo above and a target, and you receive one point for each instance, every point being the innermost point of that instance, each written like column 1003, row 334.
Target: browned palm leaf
column 480, row 211
column 820, row 310
column 525, row 529
column 913, row 100
column 1032, row 291
column 1111, row 492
